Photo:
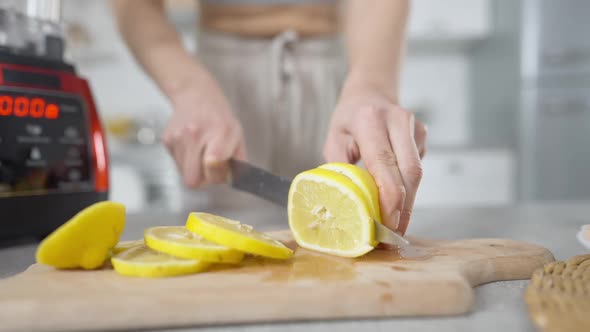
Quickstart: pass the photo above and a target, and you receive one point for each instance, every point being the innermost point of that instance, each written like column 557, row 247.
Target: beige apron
column 283, row 90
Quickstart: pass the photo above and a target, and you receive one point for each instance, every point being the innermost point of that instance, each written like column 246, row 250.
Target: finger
column 240, row 152
column 176, row 149
column 341, row 148
column 401, row 134
column 218, row 151
column 380, row 160
column 192, row 164
column 420, row 135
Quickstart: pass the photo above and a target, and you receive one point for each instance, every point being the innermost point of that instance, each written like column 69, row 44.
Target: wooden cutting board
column 310, row 286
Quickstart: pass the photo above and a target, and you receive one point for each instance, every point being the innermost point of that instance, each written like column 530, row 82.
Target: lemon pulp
column 363, row 180
column 330, row 214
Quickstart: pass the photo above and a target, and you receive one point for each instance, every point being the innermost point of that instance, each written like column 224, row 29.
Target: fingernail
column 394, row 217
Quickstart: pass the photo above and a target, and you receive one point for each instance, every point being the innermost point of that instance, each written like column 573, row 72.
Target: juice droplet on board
column 308, row 265
column 411, row 253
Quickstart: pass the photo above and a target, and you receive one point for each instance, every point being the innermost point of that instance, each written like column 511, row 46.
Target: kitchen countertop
column 499, row 306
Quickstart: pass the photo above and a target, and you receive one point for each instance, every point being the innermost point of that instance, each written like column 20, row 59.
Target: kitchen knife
column 251, row 179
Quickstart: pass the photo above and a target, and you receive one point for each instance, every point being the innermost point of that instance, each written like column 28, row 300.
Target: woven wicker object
column 558, row 296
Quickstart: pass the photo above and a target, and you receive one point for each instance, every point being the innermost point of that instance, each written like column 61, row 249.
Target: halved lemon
column 330, row 214
column 180, row 242
column 363, row 180
column 86, row 239
column 141, row 261
column 122, row 246
column 235, row 235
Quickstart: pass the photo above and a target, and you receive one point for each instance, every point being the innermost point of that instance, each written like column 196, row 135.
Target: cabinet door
column 467, row 178
column 564, row 46
column 560, row 164
column 449, row 19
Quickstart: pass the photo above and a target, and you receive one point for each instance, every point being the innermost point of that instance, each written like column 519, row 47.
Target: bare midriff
column 264, row 21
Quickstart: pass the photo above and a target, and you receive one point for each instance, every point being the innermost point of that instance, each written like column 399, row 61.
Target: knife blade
column 259, row 182
column 386, row 235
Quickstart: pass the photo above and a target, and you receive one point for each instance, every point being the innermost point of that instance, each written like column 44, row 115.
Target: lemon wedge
column 141, row 261
column 235, row 235
column 330, row 214
column 363, row 180
column 122, row 246
column 86, row 239
column 180, row 242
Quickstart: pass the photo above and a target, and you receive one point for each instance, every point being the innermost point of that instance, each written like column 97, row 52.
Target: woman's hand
column 203, row 133
column 369, row 125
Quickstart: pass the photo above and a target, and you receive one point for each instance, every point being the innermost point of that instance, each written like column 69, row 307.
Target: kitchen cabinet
column 467, row 178
column 435, row 88
column 449, row 20
column 555, row 95
column 558, row 154
column 436, row 76
column 556, row 37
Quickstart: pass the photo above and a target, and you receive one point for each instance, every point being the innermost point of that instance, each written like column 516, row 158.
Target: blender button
column 74, row 175
column 34, row 129
column 74, row 153
column 71, row 132
column 35, row 153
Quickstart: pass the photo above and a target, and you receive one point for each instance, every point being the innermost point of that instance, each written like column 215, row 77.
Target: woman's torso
column 264, row 18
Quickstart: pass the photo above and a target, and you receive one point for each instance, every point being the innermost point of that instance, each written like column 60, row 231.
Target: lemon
column 122, row 246
column 330, row 214
column 235, row 235
column 141, row 261
column 86, row 239
column 363, row 180
column 180, row 242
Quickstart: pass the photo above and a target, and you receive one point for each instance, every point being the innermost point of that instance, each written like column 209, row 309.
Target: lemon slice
column 330, row 214
column 86, row 239
column 122, row 246
column 363, row 180
column 180, row 242
column 235, row 235
column 141, row 261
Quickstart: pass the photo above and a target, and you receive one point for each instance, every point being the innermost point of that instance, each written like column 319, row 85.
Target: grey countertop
column 499, row 306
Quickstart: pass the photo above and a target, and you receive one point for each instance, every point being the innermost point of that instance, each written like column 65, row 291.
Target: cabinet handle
column 563, row 106
column 566, row 56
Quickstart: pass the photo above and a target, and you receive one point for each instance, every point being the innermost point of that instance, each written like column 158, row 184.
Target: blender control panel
column 44, row 143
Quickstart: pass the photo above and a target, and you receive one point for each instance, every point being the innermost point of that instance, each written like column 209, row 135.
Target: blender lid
column 32, row 28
